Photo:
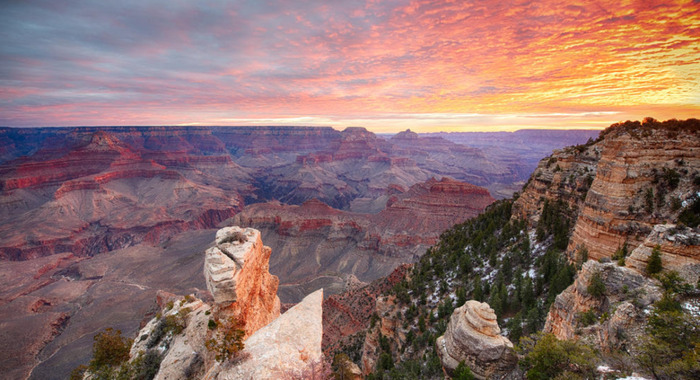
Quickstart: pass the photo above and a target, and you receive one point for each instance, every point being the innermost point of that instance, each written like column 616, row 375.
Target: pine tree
column 654, row 264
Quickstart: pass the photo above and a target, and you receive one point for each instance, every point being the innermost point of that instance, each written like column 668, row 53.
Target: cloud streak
column 383, row 64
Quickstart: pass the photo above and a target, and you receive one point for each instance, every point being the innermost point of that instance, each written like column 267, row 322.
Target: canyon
column 594, row 213
column 97, row 220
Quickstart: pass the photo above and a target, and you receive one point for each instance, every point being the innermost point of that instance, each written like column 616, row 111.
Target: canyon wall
column 642, row 179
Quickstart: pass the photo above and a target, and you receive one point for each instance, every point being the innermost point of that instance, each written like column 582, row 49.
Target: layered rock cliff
column 473, row 337
column 643, row 177
column 617, row 188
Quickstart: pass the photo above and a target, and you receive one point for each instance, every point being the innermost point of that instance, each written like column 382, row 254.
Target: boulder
column 473, row 336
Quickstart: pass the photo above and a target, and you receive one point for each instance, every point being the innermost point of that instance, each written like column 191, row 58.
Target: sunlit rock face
column 237, row 273
column 473, row 336
column 289, row 347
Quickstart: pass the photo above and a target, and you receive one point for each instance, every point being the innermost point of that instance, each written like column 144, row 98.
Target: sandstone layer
column 473, row 336
column 641, row 174
column 679, row 248
column 236, row 273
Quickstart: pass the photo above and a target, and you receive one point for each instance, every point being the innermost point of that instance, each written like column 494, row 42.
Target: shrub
column 238, row 237
column 230, row 340
column 463, row 372
column 596, row 286
column 654, row 265
column 690, row 216
column 110, row 349
column 587, row 318
column 669, row 349
column 144, row 367
column 550, row 358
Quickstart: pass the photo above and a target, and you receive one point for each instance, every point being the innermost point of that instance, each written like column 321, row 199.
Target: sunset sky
column 385, row 65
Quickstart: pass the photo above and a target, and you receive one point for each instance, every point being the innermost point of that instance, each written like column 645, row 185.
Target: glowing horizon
column 383, row 65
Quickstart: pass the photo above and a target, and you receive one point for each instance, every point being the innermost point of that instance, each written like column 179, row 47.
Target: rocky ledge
column 473, row 336
column 289, row 347
column 610, row 317
column 679, row 248
column 185, row 339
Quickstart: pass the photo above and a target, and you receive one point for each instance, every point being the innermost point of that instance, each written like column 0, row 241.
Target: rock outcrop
column 349, row 313
column 289, row 347
column 564, row 176
column 473, row 336
column 236, row 272
column 625, row 297
column 679, row 248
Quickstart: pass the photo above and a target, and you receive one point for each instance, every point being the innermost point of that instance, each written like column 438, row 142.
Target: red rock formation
column 108, row 196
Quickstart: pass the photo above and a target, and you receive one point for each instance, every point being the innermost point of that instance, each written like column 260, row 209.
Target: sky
column 426, row 65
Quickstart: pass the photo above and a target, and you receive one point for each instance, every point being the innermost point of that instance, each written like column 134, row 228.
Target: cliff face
column 642, row 178
column 627, row 294
column 635, row 176
column 565, row 176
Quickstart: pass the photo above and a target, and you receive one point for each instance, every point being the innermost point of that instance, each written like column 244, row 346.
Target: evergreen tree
column 478, row 293
column 463, row 372
column 654, row 264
